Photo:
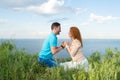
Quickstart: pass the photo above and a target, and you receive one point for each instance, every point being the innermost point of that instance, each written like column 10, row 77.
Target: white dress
column 78, row 59
column 78, row 65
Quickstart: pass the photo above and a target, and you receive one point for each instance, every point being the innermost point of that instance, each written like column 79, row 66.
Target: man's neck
column 54, row 32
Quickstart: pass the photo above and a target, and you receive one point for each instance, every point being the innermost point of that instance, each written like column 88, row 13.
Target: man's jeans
column 48, row 62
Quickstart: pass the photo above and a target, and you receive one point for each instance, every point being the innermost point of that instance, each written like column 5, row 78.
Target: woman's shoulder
column 76, row 42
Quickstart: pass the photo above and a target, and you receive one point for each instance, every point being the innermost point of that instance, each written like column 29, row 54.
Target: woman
column 75, row 51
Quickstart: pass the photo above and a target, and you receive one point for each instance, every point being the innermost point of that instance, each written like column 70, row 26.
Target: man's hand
column 62, row 45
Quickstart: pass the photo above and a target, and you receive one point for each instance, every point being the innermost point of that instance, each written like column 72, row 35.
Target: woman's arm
column 73, row 48
column 68, row 49
column 67, row 46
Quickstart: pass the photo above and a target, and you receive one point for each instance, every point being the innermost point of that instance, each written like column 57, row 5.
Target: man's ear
column 55, row 28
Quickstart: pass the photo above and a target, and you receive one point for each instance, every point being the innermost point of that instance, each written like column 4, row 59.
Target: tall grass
column 18, row 65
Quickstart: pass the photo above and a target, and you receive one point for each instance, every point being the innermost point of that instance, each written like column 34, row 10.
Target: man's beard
column 58, row 33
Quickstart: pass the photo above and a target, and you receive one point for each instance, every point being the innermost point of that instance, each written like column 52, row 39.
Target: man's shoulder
column 52, row 36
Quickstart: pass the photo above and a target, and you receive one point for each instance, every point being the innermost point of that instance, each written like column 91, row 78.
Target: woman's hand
column 66, row 43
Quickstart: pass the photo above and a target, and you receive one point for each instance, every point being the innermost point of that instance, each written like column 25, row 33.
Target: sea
column 33, row 46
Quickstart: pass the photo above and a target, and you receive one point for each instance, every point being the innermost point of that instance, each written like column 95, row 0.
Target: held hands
column 62, row 45
column 65, row 44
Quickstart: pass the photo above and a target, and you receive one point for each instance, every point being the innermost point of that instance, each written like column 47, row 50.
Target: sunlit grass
column 18, row 65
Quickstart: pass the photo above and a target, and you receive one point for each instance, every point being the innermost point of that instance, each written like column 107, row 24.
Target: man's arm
column 56, row 49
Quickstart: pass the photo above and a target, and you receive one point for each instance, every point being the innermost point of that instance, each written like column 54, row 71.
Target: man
column 49, row 47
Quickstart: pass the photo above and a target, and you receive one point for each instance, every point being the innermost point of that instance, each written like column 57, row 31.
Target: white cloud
column 47, row 7
column 54, row 7
column 101, row 19
column 58, row 19
column 40, row 34
column 18, row 9
column 50, row 7
column 18, row 3
column 15, row 35
column 85, row 23
column 101, row 36
column 44, row 7
column 80, row 10
column 12, row 3
column 7, row 34
column 98, row 19
column 3, row 21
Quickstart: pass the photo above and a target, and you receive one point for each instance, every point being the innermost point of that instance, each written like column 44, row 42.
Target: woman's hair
column 75, row 33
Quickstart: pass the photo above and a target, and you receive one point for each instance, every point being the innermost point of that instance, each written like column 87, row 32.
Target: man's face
column 58, row 30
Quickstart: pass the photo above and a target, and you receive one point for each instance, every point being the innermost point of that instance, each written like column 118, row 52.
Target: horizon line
column 58, row 39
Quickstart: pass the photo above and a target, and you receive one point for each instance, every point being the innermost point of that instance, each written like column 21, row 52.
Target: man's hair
column 55, row 24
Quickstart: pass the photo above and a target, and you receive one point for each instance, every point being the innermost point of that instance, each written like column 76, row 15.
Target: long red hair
column 75, row 32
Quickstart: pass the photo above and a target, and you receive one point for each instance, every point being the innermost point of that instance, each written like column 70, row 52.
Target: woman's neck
column 72, row 38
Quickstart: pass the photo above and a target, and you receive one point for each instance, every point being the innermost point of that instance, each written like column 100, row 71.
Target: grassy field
column 18, row 65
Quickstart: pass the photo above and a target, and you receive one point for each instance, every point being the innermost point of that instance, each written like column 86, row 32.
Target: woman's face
column 69, row 34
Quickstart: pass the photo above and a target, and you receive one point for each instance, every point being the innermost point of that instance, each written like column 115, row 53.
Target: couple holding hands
column 74, row 48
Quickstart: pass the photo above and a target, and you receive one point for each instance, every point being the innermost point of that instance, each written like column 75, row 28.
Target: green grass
column 18, row 65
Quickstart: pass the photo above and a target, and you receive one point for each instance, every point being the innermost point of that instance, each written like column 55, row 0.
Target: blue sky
column 96, row 19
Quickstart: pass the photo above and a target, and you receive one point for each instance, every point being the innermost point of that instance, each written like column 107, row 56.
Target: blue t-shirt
column 46, row 52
